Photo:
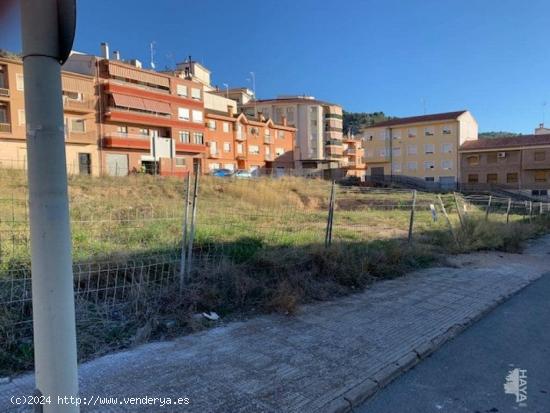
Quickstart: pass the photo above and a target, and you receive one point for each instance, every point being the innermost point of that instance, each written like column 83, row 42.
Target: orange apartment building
column 149, row 121
column 257, row 145
column 79, row 102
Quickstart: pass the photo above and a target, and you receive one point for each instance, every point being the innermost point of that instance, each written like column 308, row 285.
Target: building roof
column 418, row 119
column 498, row 143
column 294, row 99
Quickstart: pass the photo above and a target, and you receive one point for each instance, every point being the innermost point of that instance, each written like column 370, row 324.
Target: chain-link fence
column 136, row 237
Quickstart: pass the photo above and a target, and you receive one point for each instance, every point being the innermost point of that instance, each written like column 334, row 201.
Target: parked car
column 242, row 173
column 222, row 173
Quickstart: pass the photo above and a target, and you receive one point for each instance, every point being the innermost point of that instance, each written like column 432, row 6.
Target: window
column 411, row 133
column 396, row 167
column 540, row 156
column 225, row 127
column 144, row 132
column 290, row 115
column 214, row 166
column 21, row 117
column 492, row 157
column 429, row 131
column 267, row 151
column 123, row 129
column 198, row 138
column 382, row 152
column 180, row 161
column 473, row 179
column 429, row 148
column 19, row 82
column 412, row 166
column 254, row 149
column 280, row 134
column 447, row 165
column 226, row 147
column 539, row 192
column 211, row 124
column 367, row 153
column 411, row 150
column 279, row 151
column 429, row 179
column 492, row 178
column 229, row 166
column 428, row 165
column 512, row 178
column 196, row 93
column 267, row 133
column 239, row 148
column 540, row 176
column 181, row 90
column 382, row 135
column 185, row 137
column 447, row 130
column 473, row 160
column 183, row 114
column 73, row 95
column 447, row 148
column 78, row 125
column 396, row 151
column 197, row 116
column 396, row 135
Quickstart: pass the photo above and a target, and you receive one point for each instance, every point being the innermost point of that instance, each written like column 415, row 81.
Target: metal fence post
column 458, row 210
column 184, row 229
column 411, row 221
column 540, row 208
column 508, row 210
column 530, row 210
column 328, row 233
column 488, row 207
column 193, row 220
column 448, row 219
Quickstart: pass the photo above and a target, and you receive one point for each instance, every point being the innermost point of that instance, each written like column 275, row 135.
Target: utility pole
column 47, row 33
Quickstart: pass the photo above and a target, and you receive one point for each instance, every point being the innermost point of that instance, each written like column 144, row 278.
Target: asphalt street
column 468, row 373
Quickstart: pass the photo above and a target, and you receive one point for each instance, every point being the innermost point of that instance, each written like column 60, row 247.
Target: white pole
column 51, row 257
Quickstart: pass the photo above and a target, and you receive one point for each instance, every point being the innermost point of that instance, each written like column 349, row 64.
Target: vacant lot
column 259, row 246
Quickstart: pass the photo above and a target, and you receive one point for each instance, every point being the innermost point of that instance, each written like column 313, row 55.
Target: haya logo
column 516, row 384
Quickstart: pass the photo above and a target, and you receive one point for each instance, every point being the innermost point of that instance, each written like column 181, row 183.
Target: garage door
column 117, row 165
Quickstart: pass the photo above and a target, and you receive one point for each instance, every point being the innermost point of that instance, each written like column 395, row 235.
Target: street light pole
column 44, row 47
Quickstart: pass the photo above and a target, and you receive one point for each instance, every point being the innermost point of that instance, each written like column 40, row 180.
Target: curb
column 358, row 394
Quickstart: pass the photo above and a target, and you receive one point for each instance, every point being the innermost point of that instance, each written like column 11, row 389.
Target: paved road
column 468, row 373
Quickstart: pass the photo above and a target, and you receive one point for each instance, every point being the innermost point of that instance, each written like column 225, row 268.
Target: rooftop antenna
column 226, row 90
column 152, row 48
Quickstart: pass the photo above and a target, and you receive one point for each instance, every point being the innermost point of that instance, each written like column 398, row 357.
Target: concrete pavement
column 467, row 374
column 328, row 358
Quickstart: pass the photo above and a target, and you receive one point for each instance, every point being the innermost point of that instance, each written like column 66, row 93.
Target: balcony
column 81, row 137
column 350, row 151
column 240, row 157
column 5, row 128
column 4, row 92
column 86, row 105
column 214, row 154
column 333, row 142
column 126, row 141
column 240, row 137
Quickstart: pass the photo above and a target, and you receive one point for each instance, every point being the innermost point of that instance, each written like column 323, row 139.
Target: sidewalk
column 329, row 357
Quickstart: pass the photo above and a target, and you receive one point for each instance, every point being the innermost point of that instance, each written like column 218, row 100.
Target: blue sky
column 489, row 56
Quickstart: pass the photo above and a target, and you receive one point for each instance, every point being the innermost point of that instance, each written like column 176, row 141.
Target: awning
column 74, row 84
column 126, row 101
column 141, row 75
column 156, row 106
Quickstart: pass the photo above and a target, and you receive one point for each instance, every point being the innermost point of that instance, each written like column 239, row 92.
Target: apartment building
column 149, row 121
column 423, row 147
column 318, row 124
column 79, row 103
column 353, row 161
column 520, row 163
column 257, row 145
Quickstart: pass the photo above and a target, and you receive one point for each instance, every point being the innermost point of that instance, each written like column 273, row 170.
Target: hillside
column 355, row 121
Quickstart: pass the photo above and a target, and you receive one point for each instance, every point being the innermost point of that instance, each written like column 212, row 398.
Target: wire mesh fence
column 128, row 235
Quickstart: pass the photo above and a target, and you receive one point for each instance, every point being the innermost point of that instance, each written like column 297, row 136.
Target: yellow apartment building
column 423, row 147
column 79, row 103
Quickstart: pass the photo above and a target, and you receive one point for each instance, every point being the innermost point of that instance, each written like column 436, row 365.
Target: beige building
column 318, row 126
column 79, row 104
column 422, row 147
column 520, row 163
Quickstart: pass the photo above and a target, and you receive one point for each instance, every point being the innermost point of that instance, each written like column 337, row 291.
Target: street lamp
column 47, row 29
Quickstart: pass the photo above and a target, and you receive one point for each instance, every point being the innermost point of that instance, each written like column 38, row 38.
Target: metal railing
column 5, row 128
column 4, row 91
column 85, row 105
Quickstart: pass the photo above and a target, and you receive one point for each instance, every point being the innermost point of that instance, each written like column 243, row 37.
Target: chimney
column 105, row 50
column 230, row 110
column 116, row 55
column 283, row 120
